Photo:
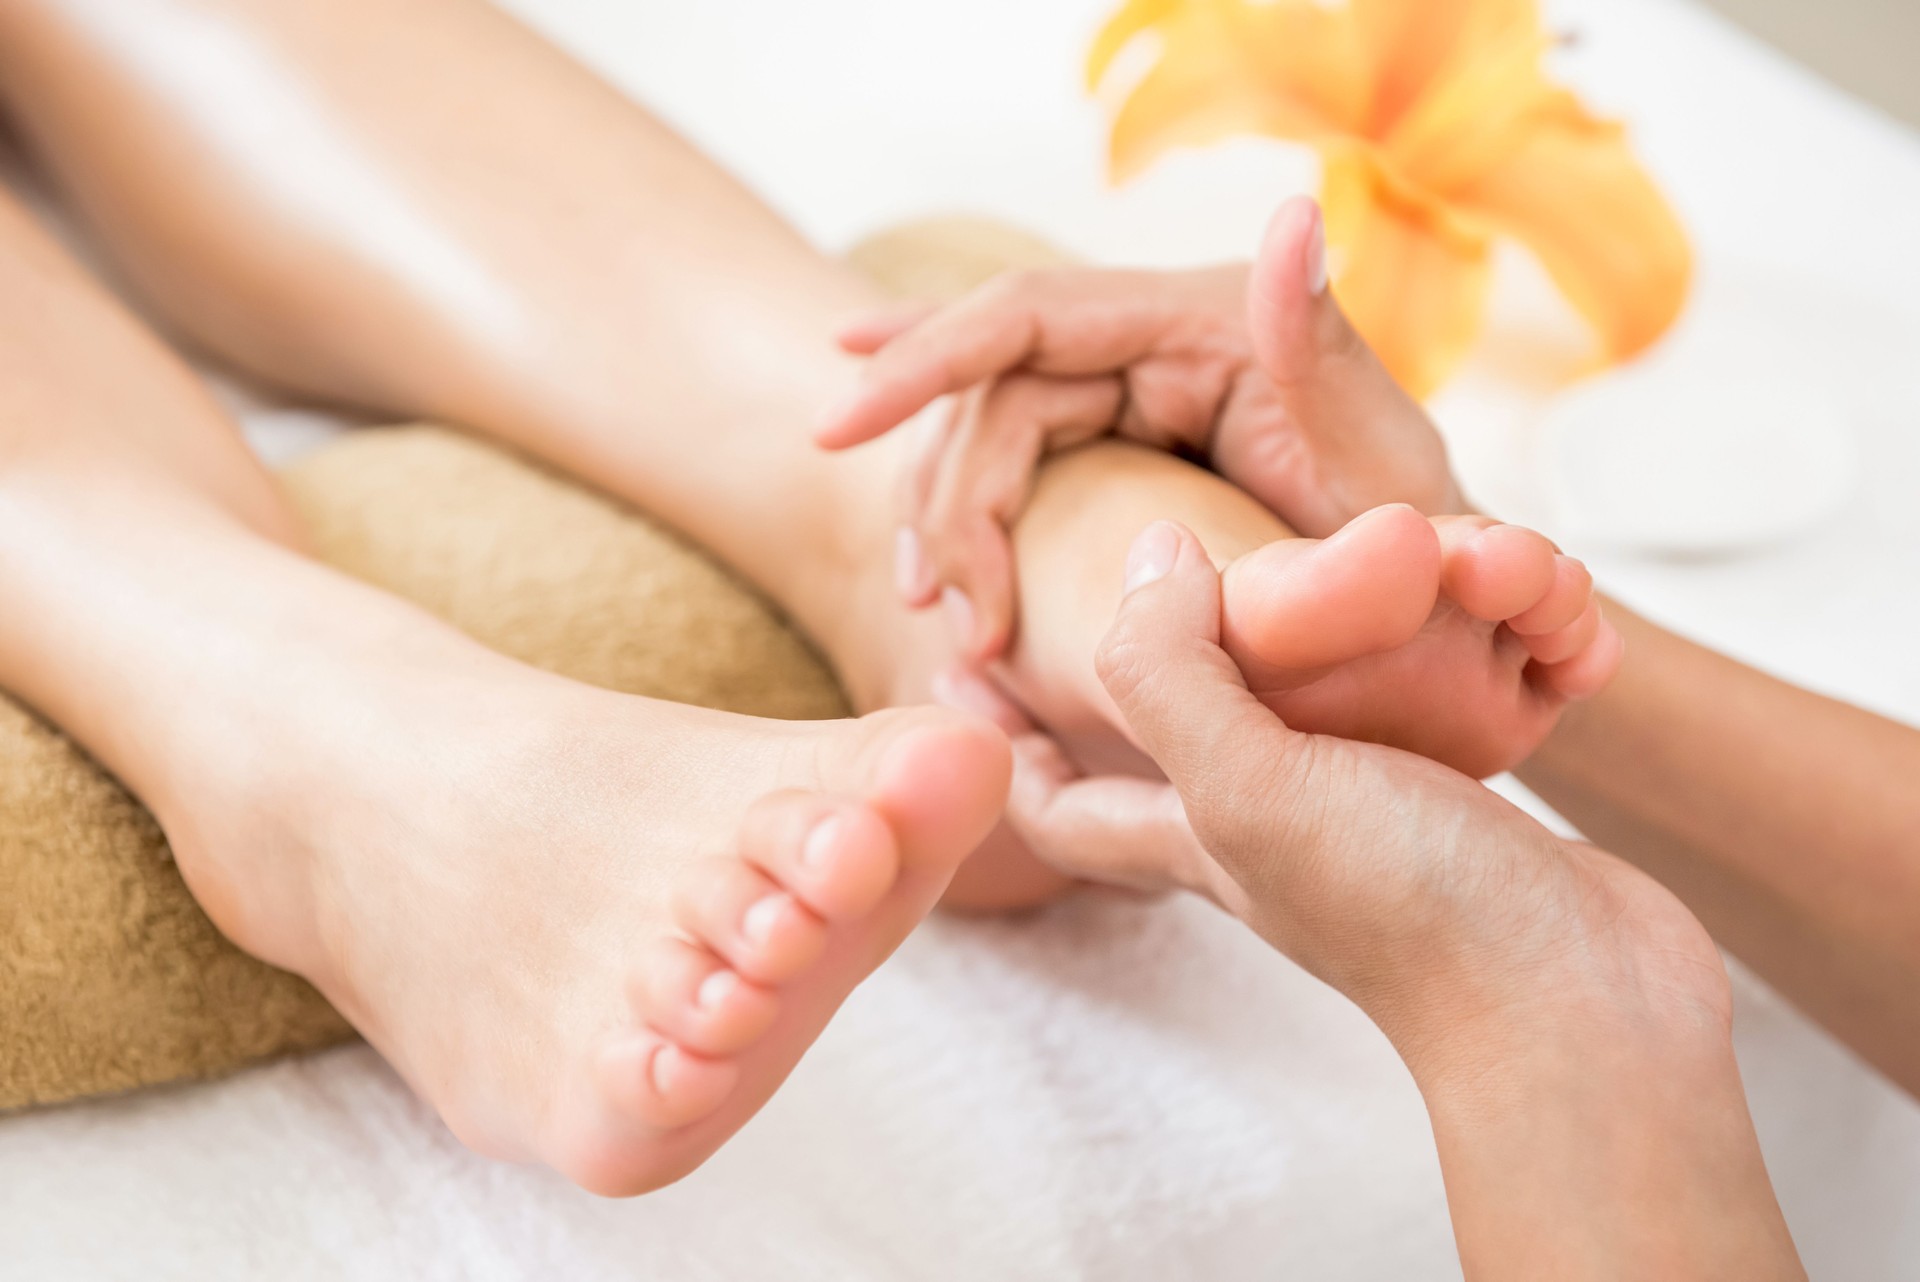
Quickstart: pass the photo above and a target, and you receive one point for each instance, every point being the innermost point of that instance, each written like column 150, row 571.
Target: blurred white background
column 1866, row 46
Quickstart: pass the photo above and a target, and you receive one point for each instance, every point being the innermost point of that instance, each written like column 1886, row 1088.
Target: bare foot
column 1455, row 637
column 593, row 930
column 1458, row 638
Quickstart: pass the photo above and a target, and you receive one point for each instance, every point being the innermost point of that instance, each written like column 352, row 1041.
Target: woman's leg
column 591, row 929
column 425, row 209
column 482, row 232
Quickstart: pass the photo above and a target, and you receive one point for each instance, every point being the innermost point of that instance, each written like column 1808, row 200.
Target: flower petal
column 1412, row 44
column 1413, row 277
column 1572, row 192
column 1473, row 117
column 1287, row 68
column 1135, row 18
column 1193, row 99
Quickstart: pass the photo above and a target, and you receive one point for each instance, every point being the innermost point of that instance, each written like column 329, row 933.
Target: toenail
column 1151, row 556
column 760, row 920
column 819, row 842
column 715, row 989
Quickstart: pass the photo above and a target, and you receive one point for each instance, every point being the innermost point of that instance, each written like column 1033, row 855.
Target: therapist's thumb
column 1183, row 698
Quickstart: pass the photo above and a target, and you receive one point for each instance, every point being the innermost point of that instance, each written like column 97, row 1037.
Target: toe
column 1494, row 571
column 1563, row 644
column 837, row 857
column 694, row 999
column 749, row 920
column 1587, row 673
column 654, row 1082
column 1565, row 600
column 938, row 778
column 1300, row 604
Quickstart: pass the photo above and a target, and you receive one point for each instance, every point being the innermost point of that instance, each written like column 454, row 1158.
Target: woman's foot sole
column 593, row 930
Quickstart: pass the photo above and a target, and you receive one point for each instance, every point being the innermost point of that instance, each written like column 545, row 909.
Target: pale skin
column 648, row 910
column 644, row 898
column 1786, row 821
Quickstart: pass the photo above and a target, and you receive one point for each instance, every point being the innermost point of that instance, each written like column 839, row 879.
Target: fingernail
column 715, row 989
column 959, row 614
column 1151, row 556
column 965, row 691
column 656, row 1065
column 911, row 570
column 819, row 843
column 952, row 688
column 760, row 919
column 1317, row 254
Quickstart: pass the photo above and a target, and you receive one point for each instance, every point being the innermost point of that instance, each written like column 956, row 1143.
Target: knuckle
column 1017, row 396
column 1004, row 490
column 1023, row 290
column 1009, row 287
column 985, row 540
column 1122, row 663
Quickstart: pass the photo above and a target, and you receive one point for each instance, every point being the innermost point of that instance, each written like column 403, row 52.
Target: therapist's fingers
column 865, row 335
column 1067, row 322
column 1250, row 786
column 1186, row 702
column 1113, row 830
column 1293, row 319
column 973, row 480
column 1117, row 831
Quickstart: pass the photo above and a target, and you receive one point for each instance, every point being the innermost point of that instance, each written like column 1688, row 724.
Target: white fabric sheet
column 1111, row 1090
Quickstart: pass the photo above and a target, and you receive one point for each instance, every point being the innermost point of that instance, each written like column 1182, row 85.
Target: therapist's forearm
column 1788, row 822
column 1584, row 1145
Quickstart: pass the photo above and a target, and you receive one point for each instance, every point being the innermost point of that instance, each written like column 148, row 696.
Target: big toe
column 938, row 776
column 1302, row 604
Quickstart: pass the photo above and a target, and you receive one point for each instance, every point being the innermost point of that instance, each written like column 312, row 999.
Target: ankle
column 840, row 584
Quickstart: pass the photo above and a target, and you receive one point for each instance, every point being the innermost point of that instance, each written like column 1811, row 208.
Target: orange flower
column 1438, row 131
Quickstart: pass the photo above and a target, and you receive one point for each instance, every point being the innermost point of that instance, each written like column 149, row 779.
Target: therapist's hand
column 1567, row 1020
column 1253, row 368
column 1410, row 887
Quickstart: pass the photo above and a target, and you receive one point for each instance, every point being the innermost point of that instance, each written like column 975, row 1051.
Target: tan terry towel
column 112, row 978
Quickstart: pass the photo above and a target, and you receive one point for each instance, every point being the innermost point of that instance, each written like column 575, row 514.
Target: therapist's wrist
column 1585, row 1101
column 1596, row 1137
column 1488, row 1048
column 1539, row 939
